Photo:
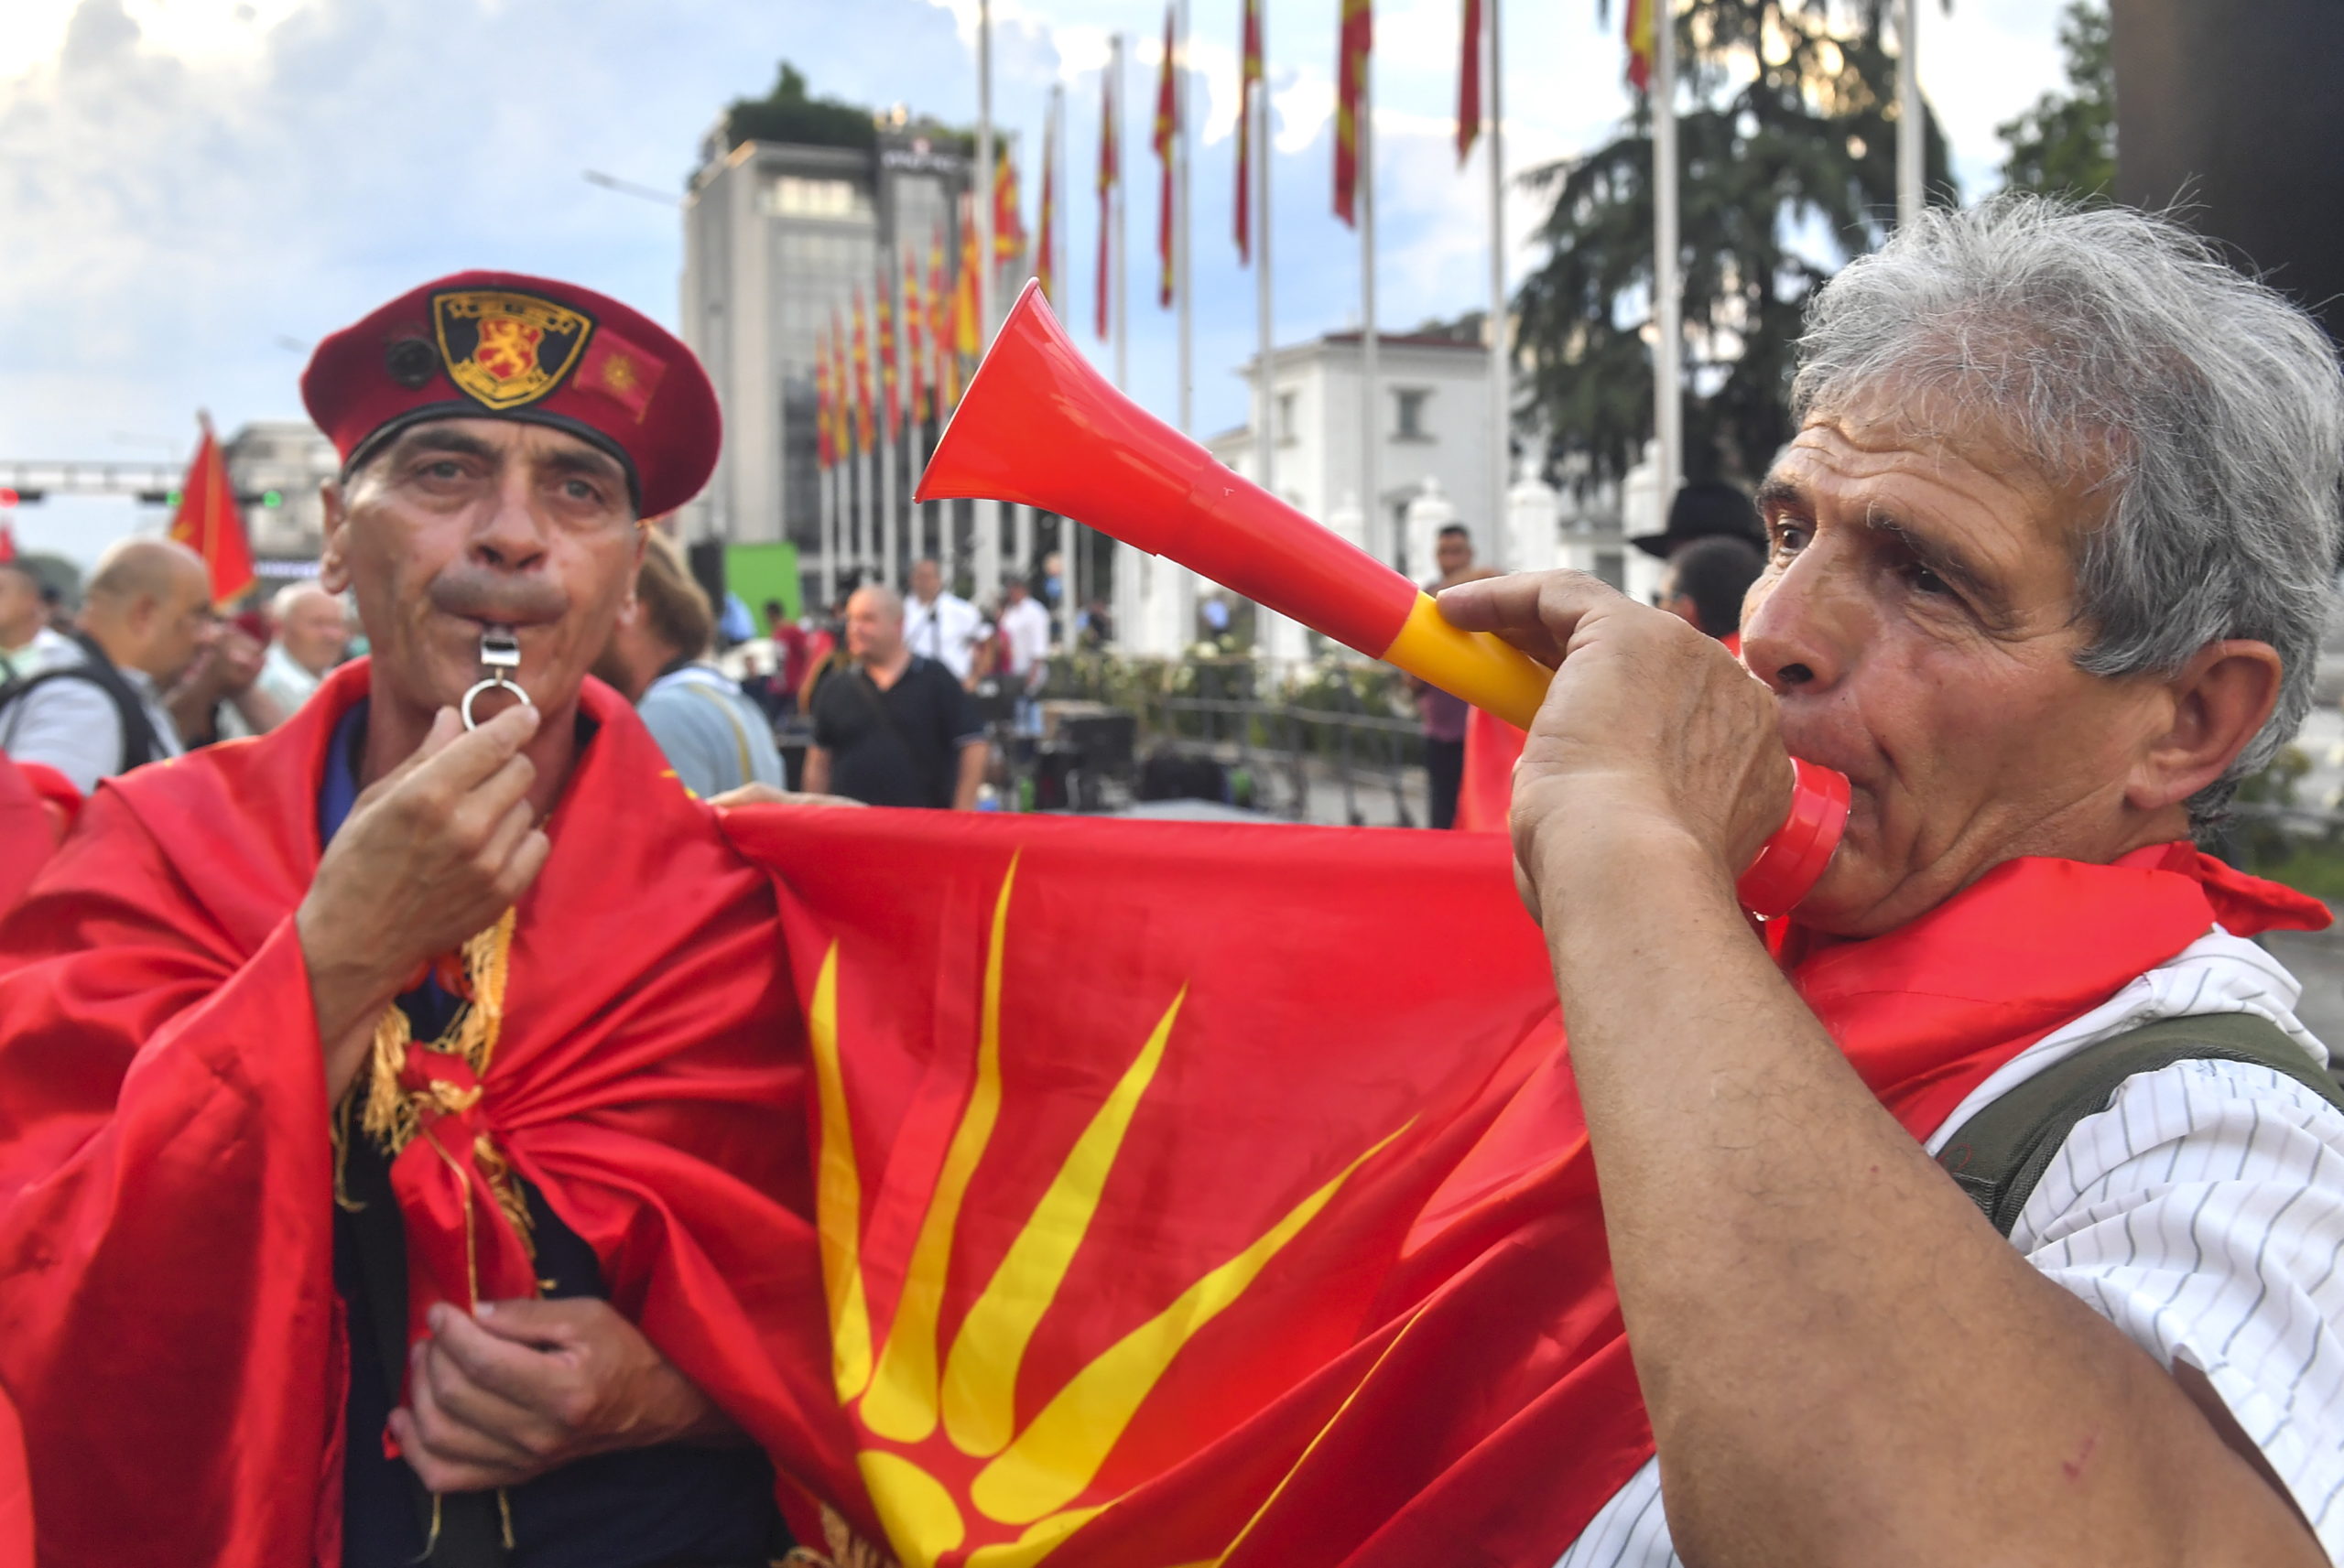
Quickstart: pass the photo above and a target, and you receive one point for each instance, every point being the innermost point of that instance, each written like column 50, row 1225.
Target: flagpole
column 1668, row 406
column 1123, row 561
column 829, row 490
column 1379, row 529
column 987, row 513
column 888, row 440
column 1179, row 583
column 1909, row 114
column 1501, row 347
column 1280, row 637
column 1061, row 278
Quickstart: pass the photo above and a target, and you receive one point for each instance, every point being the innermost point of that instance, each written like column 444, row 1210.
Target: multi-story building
column 777, row 239
column 277, row 465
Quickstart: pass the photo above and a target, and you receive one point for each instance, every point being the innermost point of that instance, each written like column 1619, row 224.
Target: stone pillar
column 1429, row 514
column 1533, row 513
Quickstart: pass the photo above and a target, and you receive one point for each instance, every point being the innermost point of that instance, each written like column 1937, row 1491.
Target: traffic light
column 12, row 497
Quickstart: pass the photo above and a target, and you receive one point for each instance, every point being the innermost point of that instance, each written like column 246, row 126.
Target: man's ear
column 333, row 571
column 2219, row 702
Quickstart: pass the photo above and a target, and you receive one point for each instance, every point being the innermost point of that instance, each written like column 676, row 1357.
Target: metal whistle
column 500, row 650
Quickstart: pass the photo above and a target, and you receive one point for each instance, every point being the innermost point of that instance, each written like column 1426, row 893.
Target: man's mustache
column 501, row 600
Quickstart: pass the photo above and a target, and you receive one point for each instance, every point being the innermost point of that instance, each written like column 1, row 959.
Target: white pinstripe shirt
column 2202, row 1213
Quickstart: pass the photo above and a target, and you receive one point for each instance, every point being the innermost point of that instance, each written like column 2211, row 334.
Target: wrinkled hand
column 527, row 1387
column 432, row 853
column 755, row 794
column 239, row 659
column 1649, row 726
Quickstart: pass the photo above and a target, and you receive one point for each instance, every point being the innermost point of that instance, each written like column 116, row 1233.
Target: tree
column 787, row 114
column 2066, row 145
column 1788, row 134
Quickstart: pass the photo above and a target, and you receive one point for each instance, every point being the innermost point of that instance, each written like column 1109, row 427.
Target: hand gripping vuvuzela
column 1040, row 428
column 500, row 653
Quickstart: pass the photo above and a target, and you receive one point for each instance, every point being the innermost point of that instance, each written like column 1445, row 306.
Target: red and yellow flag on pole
column 1168, row 131
column 1008, row 223
column 915, row 339
column 210, row 523
column 1468, row 82
column 965, row 340
column 865, row 430
column 940, row 328
column 1046, row 249
column 891, row 390
column 825, row 451
column 1249, row 82
column 1643, row 44
column 1358, row 37
column 842, row 401
column 1111, row 174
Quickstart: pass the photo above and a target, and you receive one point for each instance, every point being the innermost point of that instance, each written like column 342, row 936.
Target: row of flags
column 920, row 369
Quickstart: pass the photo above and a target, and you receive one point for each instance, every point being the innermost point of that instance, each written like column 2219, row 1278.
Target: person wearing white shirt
column 27, row 644
column 2050, row 557
column 940, row 625
column 312, row 635
column 1026, row 628
column 145, row 615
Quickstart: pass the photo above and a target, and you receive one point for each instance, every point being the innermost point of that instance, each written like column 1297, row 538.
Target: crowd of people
column 429, row 1133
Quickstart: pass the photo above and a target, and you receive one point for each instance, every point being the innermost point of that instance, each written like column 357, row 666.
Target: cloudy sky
column 193, row 191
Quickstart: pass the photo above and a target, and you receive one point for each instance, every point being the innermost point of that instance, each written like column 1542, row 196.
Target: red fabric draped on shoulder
column 165, row 1170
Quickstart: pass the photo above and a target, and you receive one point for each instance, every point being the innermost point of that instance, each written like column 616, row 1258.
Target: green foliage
column 1788, row 134
column 2066, row 145
column 787, row 114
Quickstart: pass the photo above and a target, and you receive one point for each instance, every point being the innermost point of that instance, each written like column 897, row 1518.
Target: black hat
column 1701, row 512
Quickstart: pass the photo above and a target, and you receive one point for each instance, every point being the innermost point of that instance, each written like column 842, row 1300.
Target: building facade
column 277, row 465
column 777, row 240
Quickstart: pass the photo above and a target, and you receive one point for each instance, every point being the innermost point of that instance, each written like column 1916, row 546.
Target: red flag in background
column 1644, row 45
column 891, row 390
column 1249, row 82
column 1008, row 223
column 1047, row 249
column 825, row 451
column 1168, row 130
column 842, row 404
column 1468, row 82
column 914, row 339
column 940, row 328
column 209, row 522
column 967, row 330
column 865, row 432
column 1357, row 38
column 1111, row 174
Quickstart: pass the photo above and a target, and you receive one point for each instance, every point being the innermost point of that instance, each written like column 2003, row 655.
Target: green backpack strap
column 1998, row 1154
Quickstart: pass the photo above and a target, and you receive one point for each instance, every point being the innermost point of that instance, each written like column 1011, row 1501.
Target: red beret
column 501, row 345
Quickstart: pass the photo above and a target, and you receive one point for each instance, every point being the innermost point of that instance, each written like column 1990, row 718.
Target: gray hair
column 2118, row 350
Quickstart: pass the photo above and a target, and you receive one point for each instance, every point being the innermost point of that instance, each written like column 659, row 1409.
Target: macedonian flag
column 1152, row 1193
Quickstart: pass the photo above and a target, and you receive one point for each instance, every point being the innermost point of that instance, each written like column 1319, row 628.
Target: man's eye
column 1790, row 538
column 1924, row 580
column 443, row 469
column 582, row 489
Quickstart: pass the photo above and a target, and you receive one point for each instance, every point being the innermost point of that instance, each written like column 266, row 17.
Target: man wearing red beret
column 375, row 1095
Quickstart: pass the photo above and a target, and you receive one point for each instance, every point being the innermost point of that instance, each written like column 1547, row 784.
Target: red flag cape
column 168, row 1327
column 1193, row 1191
column 15, row 1494
column 1173, row 1191
column 36, row 805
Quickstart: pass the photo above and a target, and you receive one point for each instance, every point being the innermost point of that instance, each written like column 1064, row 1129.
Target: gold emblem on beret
column 504, row 349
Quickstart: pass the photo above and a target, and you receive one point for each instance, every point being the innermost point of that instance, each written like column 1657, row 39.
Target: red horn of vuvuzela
column 1039, row 427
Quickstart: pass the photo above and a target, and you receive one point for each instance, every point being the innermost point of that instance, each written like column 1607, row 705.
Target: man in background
column 97, row 711
column 312, row 634
column 1704, row 585
column 895, row 729
column 1443, row 716
column 940, row 625
column 714, row 736
column 27, row 644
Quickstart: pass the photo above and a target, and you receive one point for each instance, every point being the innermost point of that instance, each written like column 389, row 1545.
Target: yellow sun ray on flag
column 1005, row 1497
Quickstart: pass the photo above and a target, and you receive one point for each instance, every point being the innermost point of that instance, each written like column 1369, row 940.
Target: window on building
column 1408, row 412
column 1285, row 417
column 798, row 196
